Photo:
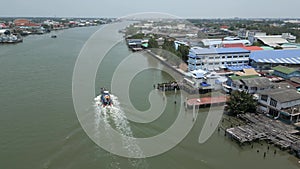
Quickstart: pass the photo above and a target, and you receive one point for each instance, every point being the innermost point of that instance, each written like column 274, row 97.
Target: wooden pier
column 259, row 127
column 172, row 86
column 169, row 86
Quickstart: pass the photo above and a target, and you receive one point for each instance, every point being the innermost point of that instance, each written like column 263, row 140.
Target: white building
column 272, row 40
column 216, row 43
column 280, row 103
column 205, row 80
column 216, row 58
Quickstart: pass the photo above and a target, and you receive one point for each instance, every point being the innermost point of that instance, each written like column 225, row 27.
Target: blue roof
column 203, row 51
column 238, row 68
column 276, row 56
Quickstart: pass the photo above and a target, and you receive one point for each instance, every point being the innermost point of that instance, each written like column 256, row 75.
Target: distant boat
column 53, row 36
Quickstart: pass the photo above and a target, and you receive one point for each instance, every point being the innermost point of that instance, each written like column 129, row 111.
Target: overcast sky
column 181, row 8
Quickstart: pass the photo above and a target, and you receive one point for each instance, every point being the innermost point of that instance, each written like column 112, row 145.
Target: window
column 223, row 57
column 211, row 57
column 253, row 88
column 273, row 103
column 264, row 98
column 241, row 56
column 235, row 56
column 229, row 57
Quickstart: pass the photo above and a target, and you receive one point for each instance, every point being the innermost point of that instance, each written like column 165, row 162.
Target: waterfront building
column 248, row 83
column 205, row 80
column 25, row 23
column 266, row 59
column 280, row 103
column 218, row 58
column 137, row 44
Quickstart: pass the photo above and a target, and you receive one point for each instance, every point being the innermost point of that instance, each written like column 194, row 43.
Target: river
column 40, row 129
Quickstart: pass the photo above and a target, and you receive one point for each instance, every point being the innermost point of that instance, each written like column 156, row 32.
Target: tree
column 169, row 45
column 241, row 102
column 183, row 52
column 153, row 43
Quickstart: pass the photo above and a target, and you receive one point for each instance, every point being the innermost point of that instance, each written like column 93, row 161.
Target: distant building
column 3, row 26
column 215, row 43
column 280, row 103
column 217, row 58
column 266, row 59
column 137, row 44
column 272, row 40
column 25, row 23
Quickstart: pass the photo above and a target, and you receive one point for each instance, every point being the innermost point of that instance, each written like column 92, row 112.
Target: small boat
column 105, row 98
column 53, row 36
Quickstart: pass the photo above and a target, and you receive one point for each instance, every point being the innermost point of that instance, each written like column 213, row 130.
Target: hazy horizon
column 217, row 9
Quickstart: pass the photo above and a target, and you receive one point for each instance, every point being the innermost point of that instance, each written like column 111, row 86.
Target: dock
column 259, row 128
column 206, row 101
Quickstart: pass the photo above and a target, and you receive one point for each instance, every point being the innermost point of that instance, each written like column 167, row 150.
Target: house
column 280, row 103
column 250, row 84
column 217, row 58
column 286, row 72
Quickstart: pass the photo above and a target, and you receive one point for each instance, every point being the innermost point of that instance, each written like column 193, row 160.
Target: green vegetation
column 152, row 43
column 270, row 26
column 168, row 45
column 183, row 52
column 241, row 102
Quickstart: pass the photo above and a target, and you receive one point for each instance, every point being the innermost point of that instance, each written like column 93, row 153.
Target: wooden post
column 194, row 111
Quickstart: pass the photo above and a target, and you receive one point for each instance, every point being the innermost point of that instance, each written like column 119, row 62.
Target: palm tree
column 241, row 102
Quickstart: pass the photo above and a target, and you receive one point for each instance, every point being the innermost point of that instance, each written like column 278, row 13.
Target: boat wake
column 114, row 116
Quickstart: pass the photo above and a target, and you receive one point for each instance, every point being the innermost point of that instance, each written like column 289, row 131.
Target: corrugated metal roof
column 276, row 56
column 252, row 48
column 272, row 40
column 204, row 51
column 283, row 69
column 282, row 95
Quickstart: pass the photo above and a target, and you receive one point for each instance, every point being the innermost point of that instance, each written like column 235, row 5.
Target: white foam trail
column 101, row 116
column 122, row 126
